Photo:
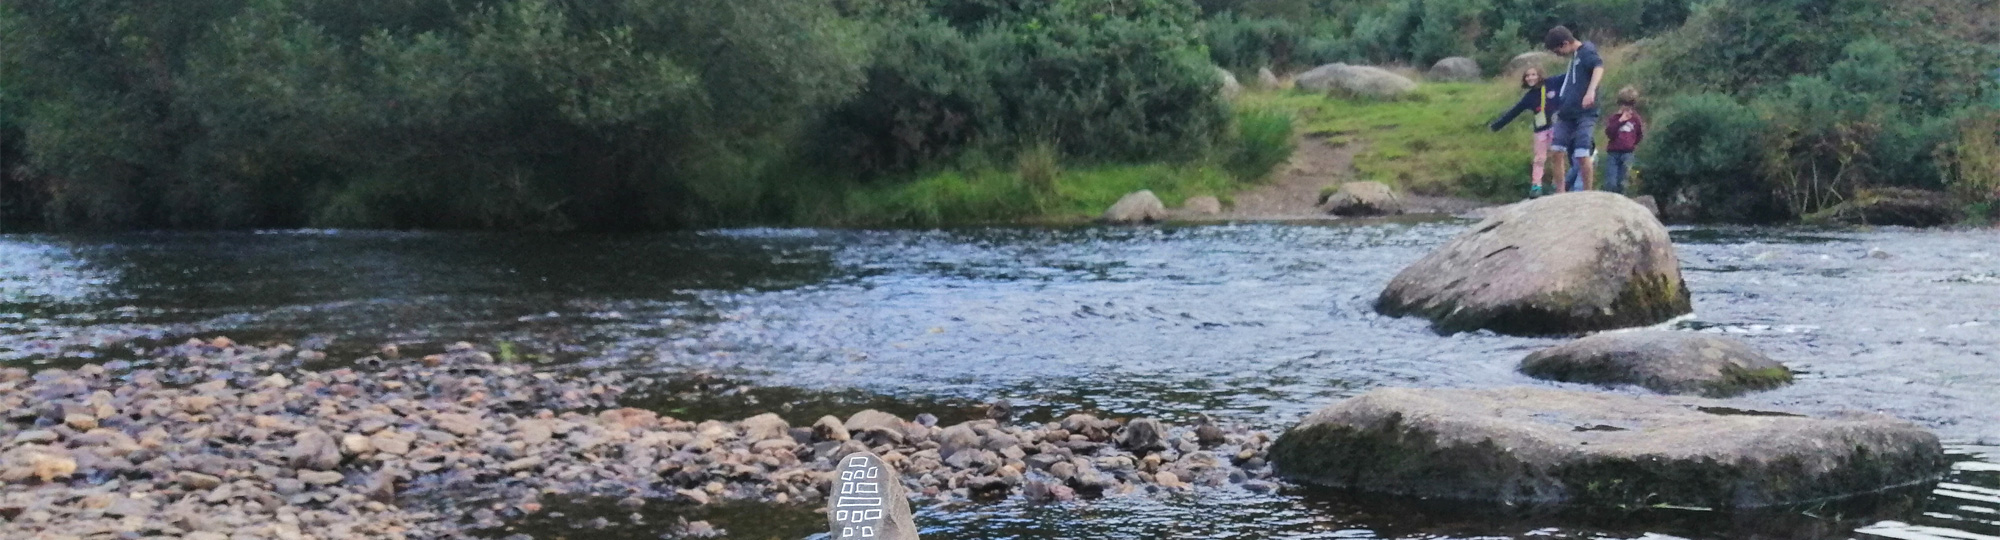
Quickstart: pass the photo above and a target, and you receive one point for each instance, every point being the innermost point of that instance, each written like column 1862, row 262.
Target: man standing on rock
column 1576, row 114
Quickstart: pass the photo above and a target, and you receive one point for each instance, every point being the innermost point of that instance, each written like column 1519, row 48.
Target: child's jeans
column 1573, row 180
column 1542, row 141
column 1616, row 172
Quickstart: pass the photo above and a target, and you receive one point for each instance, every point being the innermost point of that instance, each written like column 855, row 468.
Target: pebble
column 195, row 480
column 356, row 445
column 80, row 422
column 36, row 436
column 320, row 478
column 249, row 443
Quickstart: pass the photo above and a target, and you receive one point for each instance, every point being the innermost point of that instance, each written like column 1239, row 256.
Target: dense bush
column 544, row 114
column 1247, row 34
column 510, row 114
column 1837, row 96
column 1099, row 80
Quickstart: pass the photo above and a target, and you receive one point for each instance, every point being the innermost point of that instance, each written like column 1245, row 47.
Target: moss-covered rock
column 1525, row 445
column 1566, row 264
column 1665, row 362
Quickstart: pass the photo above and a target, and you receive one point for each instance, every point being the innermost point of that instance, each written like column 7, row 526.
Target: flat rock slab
column 1564, row 264
column 1524, row 445
column 1665, row 362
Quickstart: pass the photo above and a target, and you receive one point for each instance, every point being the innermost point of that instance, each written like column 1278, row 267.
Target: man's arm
column 1590, row 96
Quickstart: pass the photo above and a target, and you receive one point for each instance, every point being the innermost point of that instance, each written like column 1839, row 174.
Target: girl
column 1540, row 93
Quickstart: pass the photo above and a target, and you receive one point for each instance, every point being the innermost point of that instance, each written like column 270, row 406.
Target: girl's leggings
column 1542, row 141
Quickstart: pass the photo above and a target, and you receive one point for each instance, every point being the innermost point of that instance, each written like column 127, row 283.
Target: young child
column 1576, row 115
column 1623, row 133
column 1536, row 100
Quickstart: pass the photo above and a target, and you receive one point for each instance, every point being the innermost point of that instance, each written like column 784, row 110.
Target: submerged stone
column 1522, row 445
column 1566, row 264
column 1665, row 362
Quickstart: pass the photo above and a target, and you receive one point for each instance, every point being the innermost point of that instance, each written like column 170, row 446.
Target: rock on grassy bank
column 218, row 440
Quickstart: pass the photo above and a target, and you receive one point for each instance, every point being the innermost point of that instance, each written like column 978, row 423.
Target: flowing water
column 1250, row 324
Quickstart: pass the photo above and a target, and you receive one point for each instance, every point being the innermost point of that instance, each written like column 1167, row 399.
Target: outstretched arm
column 1527, row 102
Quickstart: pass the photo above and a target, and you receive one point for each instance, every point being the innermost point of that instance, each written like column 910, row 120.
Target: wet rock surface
column 1522, row 445
column 1665, row 362
column 217, row 438
column 1565, row 264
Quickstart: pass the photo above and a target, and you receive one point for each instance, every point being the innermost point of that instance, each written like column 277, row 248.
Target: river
column 1251, row 324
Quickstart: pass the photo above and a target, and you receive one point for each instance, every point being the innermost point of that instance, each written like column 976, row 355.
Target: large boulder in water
column 1521, row 445
column 1893, row 206
column 1455, row 69
column 1366, row 81
column 1665, row 362
column 1571, row 263
column 1137, row 207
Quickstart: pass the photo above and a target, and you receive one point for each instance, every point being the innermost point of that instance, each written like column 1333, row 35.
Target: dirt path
column 1295, row 194
column 1316, row 165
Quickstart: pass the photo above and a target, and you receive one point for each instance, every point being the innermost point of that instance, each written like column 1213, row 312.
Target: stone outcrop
column 1137, row 207
column 1455, row 69
column 1230, row 86
column 1524, row 445
column 1363, row 199
column 1538, row 59
column 1267, row 80
column 1365, row 81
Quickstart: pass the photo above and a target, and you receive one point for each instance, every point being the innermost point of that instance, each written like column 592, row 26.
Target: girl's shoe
column 1535, row 191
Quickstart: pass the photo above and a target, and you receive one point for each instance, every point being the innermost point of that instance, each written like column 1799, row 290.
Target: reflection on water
column 1255, row 324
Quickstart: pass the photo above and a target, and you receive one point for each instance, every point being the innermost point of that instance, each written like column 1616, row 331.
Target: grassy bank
column 1432, row 142
column 1041, row 185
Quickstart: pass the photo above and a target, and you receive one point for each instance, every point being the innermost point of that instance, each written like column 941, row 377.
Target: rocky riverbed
column 214, row 440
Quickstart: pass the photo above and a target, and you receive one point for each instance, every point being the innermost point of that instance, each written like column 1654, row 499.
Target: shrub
column 1702, row 152
column 1107, row 80
column 1039, row 166
column 1972, row 158
column 1248, row 44
column 1264, row 139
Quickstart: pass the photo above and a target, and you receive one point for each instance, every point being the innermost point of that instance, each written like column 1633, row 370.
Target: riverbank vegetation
column 1433, row 142
column 636, row 114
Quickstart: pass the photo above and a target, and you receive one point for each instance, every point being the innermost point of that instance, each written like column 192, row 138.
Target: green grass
column 1434, row 142
column 988, row 195
column 1038, row 185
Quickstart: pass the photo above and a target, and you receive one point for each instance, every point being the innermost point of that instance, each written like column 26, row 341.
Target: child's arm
column 1527, row 102
column 1589, row 57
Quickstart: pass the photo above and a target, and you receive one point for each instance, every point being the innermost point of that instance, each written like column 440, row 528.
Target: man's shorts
column 1576, row 134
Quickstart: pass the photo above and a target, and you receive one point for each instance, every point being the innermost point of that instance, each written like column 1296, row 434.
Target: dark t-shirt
column 1576, row 81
